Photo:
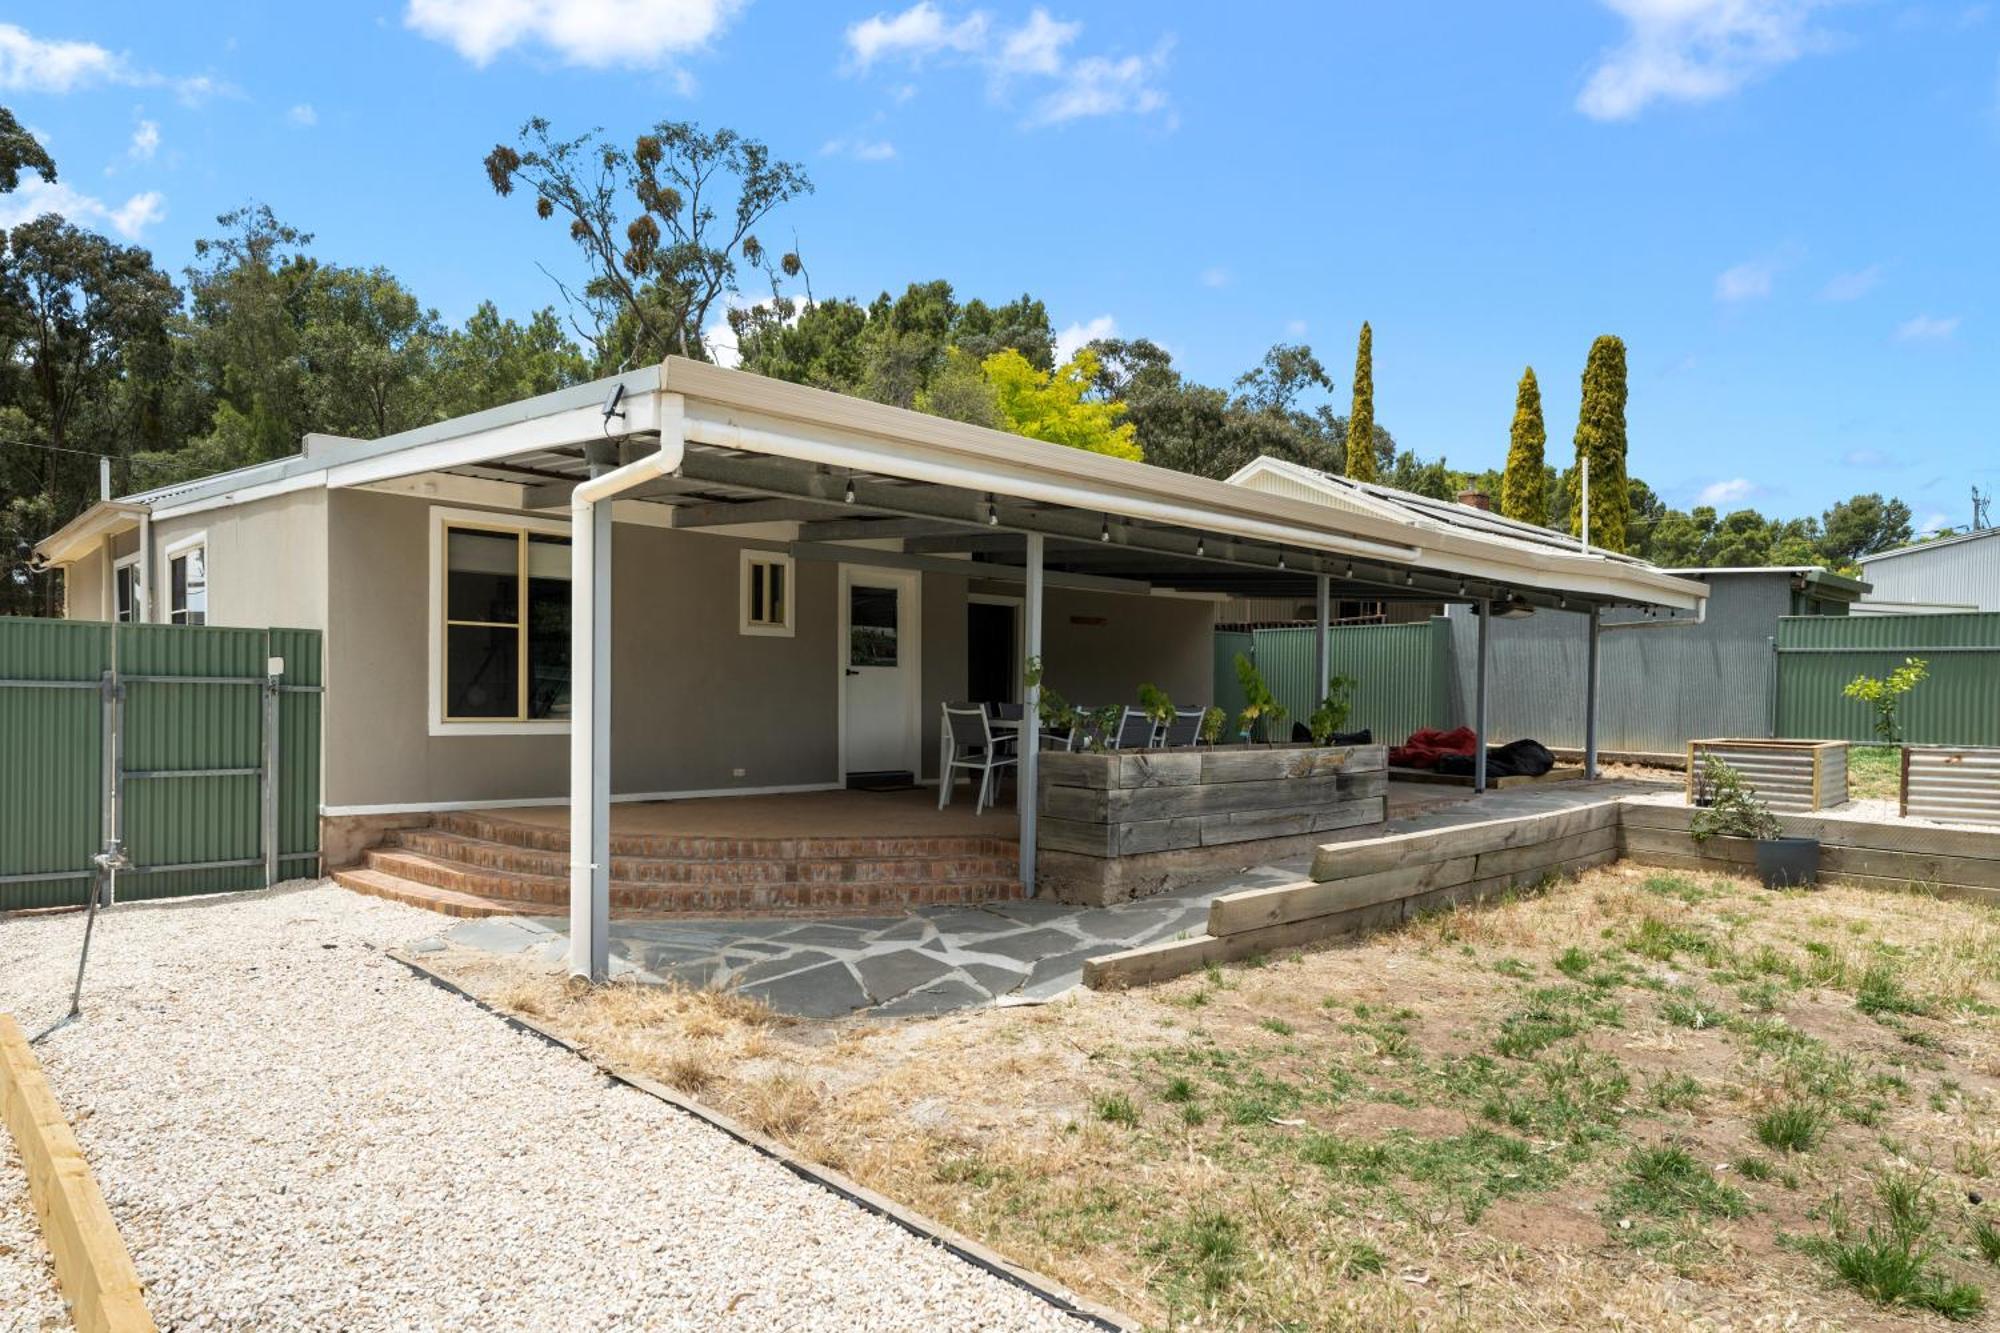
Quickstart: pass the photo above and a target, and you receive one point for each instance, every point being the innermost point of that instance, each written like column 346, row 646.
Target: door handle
column 852, row 671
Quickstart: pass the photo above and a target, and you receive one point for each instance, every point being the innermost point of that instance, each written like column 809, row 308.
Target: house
column 691, row 581
column 1959, row 573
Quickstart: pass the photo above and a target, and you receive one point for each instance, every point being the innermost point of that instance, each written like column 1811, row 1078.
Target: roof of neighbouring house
column 1934, row 544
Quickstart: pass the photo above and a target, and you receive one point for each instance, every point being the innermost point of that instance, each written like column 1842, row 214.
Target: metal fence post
column 274, row 671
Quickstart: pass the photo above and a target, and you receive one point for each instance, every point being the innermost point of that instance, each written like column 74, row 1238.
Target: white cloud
column 1927, row 328
column 1215, row 277
column 1865, row 458
column 1746, row 281
column 1694, row 51
column 917, row 32
column 1938, row 521
column 145, row 141
column 1037, row 53
column 1295, row 328
column 1069, row 340
column 1037, row 46
column 303, row 115
column 596, row 33
column 861, row 150
column 1852, row 286
column 1733, row 491
column 36, row 197
column 29, row 64
column 1100, row 86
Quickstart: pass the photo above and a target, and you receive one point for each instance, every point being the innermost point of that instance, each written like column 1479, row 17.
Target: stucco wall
column 84, row 590
column 694, row 700
column 267, row 561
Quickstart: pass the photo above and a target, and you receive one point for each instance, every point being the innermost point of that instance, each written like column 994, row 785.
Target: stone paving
column 931, row 961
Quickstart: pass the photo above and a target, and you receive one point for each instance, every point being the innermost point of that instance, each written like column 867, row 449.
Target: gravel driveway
column 295, row 1132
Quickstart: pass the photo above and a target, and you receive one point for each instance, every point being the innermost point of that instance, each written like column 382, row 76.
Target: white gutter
column 590, row 684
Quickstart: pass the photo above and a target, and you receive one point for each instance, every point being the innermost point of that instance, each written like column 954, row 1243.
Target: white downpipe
column 970, row 476
column 590, row 694
column 144, row 610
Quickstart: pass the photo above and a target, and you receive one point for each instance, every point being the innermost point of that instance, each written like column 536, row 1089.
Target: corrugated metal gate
column 1402, row 673
column 173, row 740
column 1958, row 704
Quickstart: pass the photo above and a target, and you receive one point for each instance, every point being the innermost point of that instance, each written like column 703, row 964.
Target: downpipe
column 590, row 715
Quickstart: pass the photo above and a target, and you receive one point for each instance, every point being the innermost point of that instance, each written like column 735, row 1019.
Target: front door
column 881, row 719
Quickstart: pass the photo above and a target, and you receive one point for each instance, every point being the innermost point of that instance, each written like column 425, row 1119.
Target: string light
column 1104, row 532
column 848, row 498
column 992, row 513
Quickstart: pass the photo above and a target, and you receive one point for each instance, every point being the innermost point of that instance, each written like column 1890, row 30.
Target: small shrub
column 1116, row 1108
column 1733, row 809
column 1793, row 1127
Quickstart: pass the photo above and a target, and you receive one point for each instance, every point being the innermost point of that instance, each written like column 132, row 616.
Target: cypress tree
column 1524, row 491
column 1600, row 437
column 1361, row 420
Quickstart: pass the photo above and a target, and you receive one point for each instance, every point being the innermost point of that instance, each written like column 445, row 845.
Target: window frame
column 178, row 550
column 749, row 562
column 520, row 526
column 136, row 563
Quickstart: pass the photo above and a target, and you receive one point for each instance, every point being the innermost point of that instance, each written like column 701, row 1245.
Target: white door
column 880, row 714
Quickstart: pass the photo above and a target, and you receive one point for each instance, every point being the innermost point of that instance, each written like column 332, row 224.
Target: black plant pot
column 1788, row 863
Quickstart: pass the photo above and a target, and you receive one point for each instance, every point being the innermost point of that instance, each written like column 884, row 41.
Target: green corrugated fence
column 1402, row 673
column 183, row 716
column 1958, row 704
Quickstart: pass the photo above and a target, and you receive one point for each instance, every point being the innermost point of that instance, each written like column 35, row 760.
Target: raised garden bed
column 1957, row 785
column 1786, row 775
column 1118, row 824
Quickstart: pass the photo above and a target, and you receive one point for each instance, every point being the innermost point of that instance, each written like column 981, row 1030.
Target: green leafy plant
column 1260, row 706
column 1056, row 712
column 1333, row 710
column 1885, row 695
column 1733, row 809
column 1155, row 704
column 1100, row 724
column 1212, row 723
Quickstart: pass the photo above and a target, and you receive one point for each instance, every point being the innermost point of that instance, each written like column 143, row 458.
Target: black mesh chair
column 969, row 743
column 1184, row 730
column 1135, row 731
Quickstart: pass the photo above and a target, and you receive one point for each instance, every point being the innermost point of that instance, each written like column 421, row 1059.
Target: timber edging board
column 93, row 1267
column 1384, row 881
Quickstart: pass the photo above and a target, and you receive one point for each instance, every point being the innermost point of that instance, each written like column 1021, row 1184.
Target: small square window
column 766, row 594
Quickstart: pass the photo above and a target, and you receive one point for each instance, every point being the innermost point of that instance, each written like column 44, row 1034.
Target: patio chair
column 1007, row 712
column 1135, row 731
column 1184, row 730
column 969, row 743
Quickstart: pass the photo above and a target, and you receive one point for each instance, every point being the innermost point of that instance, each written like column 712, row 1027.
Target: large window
column 504, row 637
column 187, row 582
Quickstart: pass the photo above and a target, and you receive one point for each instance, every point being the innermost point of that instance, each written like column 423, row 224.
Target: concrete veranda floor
column 938, row 959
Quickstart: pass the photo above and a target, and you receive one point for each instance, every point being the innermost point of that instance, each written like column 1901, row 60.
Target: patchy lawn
column 1643, row 1098
column 1874, row 772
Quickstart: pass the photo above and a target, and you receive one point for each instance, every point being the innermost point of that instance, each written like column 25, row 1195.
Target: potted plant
column 1733, row 810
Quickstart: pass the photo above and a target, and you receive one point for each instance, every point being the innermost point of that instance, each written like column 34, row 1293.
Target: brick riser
column 682, row 847
column 453, row 868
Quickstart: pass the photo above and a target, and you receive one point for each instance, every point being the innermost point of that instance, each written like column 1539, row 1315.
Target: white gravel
column 28, row 1297
column 295, row 1132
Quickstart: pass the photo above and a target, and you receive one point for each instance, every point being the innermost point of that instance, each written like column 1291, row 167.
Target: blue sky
column 1786, row 207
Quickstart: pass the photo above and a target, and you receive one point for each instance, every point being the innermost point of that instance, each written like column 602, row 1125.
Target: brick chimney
column 1476, row 499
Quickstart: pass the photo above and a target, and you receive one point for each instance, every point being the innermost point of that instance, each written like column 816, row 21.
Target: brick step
column 544, row 894
column 485, row 855
column 376, row 884
column 451, row 889
column 692, row 847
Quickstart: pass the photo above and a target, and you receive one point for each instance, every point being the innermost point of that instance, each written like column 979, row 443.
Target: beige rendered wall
column 267, row 561
column 84, row 588
column 694, row 700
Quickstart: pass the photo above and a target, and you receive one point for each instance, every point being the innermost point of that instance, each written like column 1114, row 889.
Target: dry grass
column 1542, row 1113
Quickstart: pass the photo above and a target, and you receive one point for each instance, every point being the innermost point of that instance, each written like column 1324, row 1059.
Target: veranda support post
column 1027, row 775
column 1479, row 701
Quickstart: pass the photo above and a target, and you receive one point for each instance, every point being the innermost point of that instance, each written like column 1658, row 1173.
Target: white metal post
column 1323, row 644
column 590, row 743
column 1590, row 699
column 1027, row 778
column 1479, row 702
